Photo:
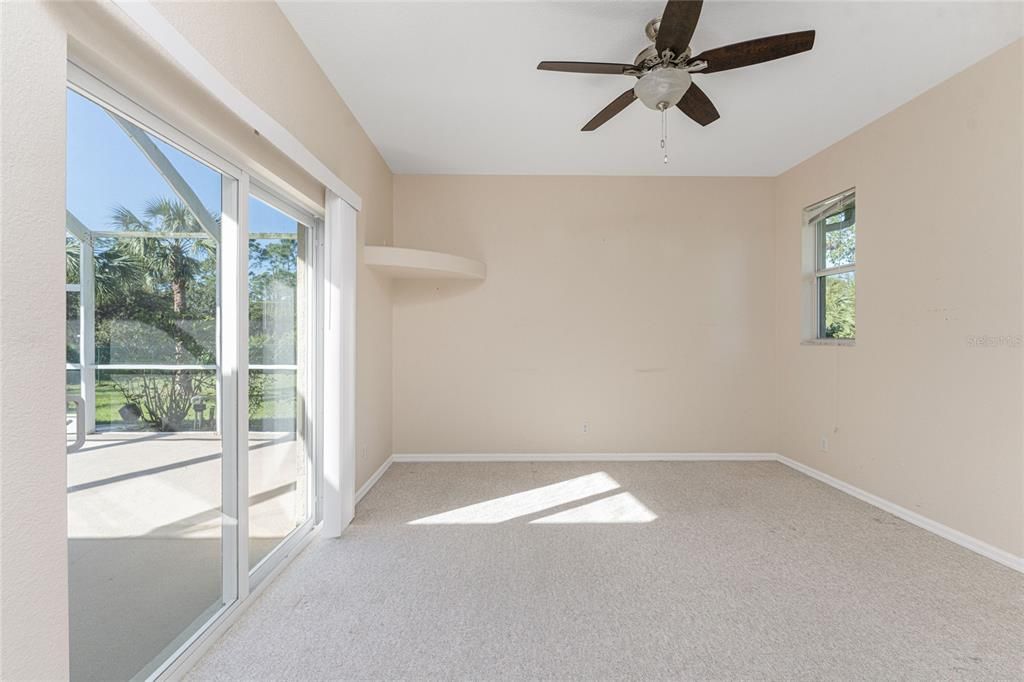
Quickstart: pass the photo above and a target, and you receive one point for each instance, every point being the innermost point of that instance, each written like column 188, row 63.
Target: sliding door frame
column 312, row 402
column 239, row 584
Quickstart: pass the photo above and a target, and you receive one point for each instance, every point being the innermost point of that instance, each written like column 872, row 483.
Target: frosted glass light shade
column 664, row 85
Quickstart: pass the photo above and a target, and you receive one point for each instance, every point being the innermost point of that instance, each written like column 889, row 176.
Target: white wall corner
column 963, row 539
column 372, row 481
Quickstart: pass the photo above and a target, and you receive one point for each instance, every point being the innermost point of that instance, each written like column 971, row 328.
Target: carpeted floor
column 626, row 570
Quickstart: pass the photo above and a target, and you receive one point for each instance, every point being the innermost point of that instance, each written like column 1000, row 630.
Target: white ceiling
column 452, row 87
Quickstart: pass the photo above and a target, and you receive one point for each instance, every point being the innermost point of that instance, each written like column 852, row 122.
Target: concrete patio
column 144, row 529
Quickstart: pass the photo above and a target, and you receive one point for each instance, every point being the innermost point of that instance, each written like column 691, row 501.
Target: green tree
column 840, row 246
column 168, row 284
column 113, row 269
column 172, row 268
column 839, row 236
column 273, row 284
column 840, row 306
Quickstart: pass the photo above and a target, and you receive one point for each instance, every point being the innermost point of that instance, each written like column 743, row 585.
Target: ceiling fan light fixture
column 663, row 69
column 662, row 88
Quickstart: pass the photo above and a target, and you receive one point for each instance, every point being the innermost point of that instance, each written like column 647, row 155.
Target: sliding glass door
column 191, row 421
column 281, row 302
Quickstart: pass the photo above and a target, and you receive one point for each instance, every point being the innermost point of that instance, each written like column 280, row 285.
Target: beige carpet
column 613, row 571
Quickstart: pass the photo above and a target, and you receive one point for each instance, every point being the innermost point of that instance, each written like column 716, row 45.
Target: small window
column 832, row 225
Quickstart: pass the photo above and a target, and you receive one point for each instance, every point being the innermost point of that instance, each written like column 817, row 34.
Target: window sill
column 828, row 342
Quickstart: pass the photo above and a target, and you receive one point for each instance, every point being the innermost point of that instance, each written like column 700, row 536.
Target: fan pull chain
column 664, row 133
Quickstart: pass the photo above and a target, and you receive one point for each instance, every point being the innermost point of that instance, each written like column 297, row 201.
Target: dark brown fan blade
column 586, row 67
column 678, row 22
column 697, row 106
column 755, row 51
column 617, row 105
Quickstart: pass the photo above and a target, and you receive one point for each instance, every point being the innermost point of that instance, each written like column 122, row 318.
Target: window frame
column 311, row 422
column 815, row 270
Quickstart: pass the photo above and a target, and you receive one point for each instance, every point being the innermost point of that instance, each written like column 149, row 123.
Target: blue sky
column 105, row 170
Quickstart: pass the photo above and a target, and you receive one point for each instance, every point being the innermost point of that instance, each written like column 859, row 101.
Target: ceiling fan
column 663, row 69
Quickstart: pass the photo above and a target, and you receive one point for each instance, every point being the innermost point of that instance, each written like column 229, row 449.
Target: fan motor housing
column 646, row 55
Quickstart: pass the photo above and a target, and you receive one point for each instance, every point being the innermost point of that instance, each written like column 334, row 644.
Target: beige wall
column 639, row 306
column 914, row 412
column 33, row 498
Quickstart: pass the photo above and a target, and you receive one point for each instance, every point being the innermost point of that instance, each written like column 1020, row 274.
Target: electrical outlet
column 824, row 444
column 586, row 427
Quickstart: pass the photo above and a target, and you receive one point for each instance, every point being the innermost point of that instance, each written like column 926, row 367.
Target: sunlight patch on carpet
column 621, row 508
column 525, row 503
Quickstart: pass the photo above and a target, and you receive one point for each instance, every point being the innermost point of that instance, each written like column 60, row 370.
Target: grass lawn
column 108, row 401
column 275, row 413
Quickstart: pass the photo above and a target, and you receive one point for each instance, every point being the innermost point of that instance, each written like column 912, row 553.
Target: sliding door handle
column 79, row 423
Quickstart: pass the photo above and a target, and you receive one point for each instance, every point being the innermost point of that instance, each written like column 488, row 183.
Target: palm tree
column 114, row 269
column 175, row 261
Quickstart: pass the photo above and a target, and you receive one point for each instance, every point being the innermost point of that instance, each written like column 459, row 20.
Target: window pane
column 838, row 296
column 146, row 518
column 73, row 345
column 272, row 301
column 72, row 258
column 72, row 386
column 839, row 240
column 111, row 184
column 72, row 381
column 279, row 467
column 273, row 283
column 156, row 301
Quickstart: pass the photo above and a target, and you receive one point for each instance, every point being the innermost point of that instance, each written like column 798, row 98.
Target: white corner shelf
column 417, row 264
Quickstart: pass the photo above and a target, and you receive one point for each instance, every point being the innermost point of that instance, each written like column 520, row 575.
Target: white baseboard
column 590, row 457
column 951, row 534
column 373, row 479
column 975, row 545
